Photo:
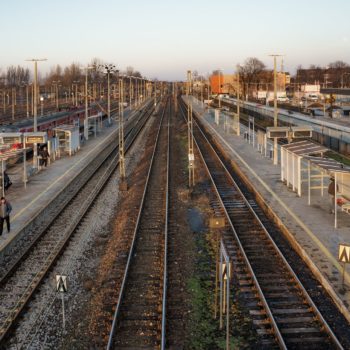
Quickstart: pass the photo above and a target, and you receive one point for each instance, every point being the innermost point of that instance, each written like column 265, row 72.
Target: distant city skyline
column 163, row 39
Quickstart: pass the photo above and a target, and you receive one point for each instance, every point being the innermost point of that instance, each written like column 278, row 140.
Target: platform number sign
column 344, row 253
column 61, row 283
column 344, row 257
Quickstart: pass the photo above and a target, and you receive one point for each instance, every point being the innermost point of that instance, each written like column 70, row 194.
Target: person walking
column 44, row 156
column 331, row 192
column 7, row 181
column 5, row 210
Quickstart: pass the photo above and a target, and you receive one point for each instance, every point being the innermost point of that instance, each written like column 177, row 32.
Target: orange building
column 217, row 84
column 223, row 84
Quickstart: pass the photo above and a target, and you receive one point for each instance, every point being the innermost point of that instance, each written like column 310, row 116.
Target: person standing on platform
column 44, row 156
column 331, row 192
column 5, row 210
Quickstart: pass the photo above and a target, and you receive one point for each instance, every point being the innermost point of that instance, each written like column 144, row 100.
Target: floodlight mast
column 35, row 106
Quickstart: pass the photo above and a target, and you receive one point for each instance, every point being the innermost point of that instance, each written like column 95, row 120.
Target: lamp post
column 208, row 86
column 27, row 98
column 75, row 84
column 55, row 84
column 86, row 121
column 144, row 90
column 342, row 79
column 238, row 100
column 109, row 68
column 190, row 131
column 219, row 71
column 13, row 101
column 130, row 89
column 137, row 92
column 42, row 105
column 123, row 186
column 275, row 111
column 35, row 105
column 201, row 76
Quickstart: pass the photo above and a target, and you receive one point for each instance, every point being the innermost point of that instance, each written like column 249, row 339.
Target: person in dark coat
column 44, row 156
column 331, row 192
column 7, row 181
column 5, row 210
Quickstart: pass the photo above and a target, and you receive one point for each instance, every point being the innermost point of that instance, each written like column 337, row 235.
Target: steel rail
column 13, row 266
column 8, row 323
column 165, row 264
column 116, row 315
column 266, row 306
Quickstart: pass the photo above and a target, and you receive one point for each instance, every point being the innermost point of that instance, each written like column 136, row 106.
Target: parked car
column 283, row 99
column 313, row 97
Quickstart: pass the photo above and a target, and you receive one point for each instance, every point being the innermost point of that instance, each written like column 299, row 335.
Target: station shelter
column 330, row 168
column 8, row 153
column 304, row 162
column 291, row 165
column 68, row 139
column 95, row 123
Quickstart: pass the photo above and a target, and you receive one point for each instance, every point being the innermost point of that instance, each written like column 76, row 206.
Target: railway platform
column 310, row 229
column 31, row 202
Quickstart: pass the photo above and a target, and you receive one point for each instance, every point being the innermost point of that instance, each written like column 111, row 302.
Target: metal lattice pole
column 275, row 110
column 35, row 107
column 121, row 131
column 190, row 131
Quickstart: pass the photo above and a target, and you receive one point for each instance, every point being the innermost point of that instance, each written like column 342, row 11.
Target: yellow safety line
column 323, row 248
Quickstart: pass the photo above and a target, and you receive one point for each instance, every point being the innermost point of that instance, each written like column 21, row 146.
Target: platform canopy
column 291, row 155
column 6, row 155
column 341, row 175
column 328, row 165
column 10, row 137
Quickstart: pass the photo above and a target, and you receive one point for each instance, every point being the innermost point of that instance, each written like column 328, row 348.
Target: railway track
column 139, row 319
column 22, row 278
column 283, row 312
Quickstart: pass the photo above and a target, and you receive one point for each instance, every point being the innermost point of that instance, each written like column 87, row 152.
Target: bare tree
column 130, row 71
column 250, row 73
column 55, row 74
column 71, row 74
column 16, row 76
column 338, row 65
column 336, row 72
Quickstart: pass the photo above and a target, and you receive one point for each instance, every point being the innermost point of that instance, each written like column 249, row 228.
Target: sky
column 165, row 38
